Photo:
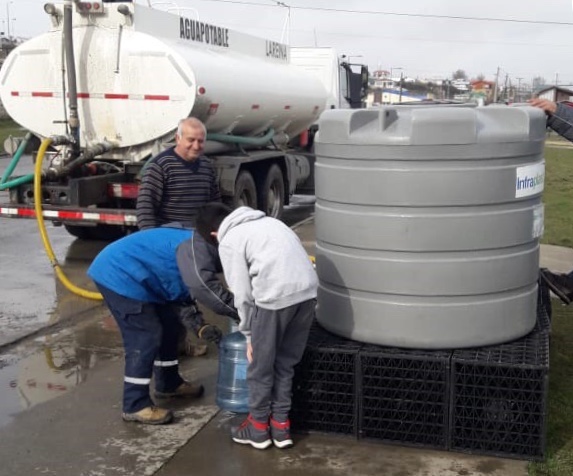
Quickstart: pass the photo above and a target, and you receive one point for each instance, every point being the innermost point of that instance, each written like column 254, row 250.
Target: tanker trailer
column 110, row 81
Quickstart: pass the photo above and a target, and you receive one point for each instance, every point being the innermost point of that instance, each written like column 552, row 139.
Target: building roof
column 561, row 89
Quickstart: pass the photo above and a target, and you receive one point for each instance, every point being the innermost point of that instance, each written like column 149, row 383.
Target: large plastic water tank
column 428, row 221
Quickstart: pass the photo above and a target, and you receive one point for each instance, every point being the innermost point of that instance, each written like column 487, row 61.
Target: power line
column 415, row 15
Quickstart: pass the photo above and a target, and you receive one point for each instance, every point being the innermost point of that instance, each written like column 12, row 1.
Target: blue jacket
column 143, row 266
column 166, row 264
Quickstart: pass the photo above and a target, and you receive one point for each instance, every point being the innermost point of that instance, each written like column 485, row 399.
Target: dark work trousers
column 278, row 339
column 150, row 333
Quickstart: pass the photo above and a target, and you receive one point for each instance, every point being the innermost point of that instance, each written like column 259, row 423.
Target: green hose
column 17, row 181
column 16, row 158
column 242, row 140
column 4, row 183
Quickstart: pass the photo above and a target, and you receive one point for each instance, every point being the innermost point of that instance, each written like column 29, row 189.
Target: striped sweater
column 173, row 189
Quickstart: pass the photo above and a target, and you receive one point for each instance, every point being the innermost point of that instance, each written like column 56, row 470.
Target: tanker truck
column 107, row 85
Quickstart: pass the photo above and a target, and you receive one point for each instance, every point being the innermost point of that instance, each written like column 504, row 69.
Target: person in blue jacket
column 150, row 280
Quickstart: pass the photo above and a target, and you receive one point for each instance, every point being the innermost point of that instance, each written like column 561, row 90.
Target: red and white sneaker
column 280, row 433
column 254, row 433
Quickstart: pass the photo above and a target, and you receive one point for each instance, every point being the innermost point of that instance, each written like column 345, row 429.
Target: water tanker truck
column 107, row 85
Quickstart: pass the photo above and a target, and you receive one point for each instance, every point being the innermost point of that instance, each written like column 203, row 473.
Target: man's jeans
column 150, row 335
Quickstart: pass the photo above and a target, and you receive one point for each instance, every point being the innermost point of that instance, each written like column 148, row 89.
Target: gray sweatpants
column 278, row 339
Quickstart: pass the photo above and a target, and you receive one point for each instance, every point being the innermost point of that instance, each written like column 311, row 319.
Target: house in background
column 557, row 93
column 481, row 91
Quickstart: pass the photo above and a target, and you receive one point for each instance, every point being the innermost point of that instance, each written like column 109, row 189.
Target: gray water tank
column 428, row 221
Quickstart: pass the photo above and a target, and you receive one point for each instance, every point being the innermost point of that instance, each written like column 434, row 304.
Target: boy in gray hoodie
column 274, row 286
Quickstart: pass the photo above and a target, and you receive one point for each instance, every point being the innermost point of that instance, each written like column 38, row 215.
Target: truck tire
column 272, row 192
column 98, row 232
column 245, row 191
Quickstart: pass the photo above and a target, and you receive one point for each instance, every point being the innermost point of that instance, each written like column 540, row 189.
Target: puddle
column 53, row 365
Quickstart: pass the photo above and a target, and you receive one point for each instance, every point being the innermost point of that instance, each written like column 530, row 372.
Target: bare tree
column 459, row 74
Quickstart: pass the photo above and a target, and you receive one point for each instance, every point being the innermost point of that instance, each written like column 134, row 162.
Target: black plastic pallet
column 543, row 307
column 404, row 397
column 324, row 386
column 499, row 398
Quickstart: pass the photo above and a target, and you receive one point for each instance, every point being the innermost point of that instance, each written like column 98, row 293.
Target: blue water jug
column 232, row 390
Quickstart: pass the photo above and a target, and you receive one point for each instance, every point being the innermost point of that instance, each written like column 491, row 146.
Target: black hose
column 72, row 81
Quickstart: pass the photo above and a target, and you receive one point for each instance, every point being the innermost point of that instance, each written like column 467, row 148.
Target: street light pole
column 519, row 89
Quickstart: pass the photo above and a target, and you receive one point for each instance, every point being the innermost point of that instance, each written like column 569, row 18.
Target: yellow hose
column 42, row 227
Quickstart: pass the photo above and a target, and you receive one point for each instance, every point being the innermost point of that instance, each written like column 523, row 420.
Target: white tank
column 139, row 73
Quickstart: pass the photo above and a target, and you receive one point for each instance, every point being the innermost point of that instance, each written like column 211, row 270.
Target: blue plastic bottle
column 232, row 390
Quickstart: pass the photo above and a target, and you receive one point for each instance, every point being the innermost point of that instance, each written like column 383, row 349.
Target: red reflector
column 155, row 97
column 116, row 96
column 123, row 190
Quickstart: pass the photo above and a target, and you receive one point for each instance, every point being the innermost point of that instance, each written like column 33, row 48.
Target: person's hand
column 191, row 317
column 210, row 333
column 548, row 106
column 250, row 352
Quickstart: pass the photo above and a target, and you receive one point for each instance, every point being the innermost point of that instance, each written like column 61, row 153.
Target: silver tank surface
column 428, row 221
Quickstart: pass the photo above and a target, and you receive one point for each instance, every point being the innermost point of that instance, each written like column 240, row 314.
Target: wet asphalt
column 61, row 369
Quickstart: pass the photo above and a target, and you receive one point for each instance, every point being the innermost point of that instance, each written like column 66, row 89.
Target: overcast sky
column 535, row 37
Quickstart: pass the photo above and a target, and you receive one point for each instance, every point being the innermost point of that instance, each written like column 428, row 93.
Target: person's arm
column 559, row 116
column 561, row 121
column 199, row 264
column 149, row 197
column 239, row 280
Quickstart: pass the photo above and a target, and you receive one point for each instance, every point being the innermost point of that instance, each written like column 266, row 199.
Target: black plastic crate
column 405, row 396
column 498, row 401
column 543, row 307
column 325, row 384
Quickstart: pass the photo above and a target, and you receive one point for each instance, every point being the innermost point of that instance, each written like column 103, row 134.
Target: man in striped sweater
column 178, row 181
column 175, row 185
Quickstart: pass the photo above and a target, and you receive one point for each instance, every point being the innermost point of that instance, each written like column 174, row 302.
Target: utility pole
column 518, row 89
column 556, row 79
column 495, row 88
column 506, row 89
column 8, row 16
column 401, row 81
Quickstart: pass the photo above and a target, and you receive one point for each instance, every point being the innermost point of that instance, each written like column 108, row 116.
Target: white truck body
column 138, row 75
column 137, row 72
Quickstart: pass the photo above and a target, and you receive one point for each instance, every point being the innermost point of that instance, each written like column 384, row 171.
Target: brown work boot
column 185, row 390
column 150, row 416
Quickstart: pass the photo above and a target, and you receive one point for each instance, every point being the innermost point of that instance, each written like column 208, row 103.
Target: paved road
column 60, row 390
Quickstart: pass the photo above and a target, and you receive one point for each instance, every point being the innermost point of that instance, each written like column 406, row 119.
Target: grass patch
column 9, row 128
column 558, row 197
column 558, row 200
column 559, row 460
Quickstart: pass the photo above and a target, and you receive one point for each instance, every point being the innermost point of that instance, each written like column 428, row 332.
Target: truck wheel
column 245, row 191
column 272, row 192
column 98, row 232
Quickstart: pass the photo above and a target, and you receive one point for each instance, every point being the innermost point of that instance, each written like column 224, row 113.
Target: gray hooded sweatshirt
column 265, row 264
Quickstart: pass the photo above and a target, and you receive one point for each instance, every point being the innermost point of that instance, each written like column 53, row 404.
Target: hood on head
column 238, row 216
